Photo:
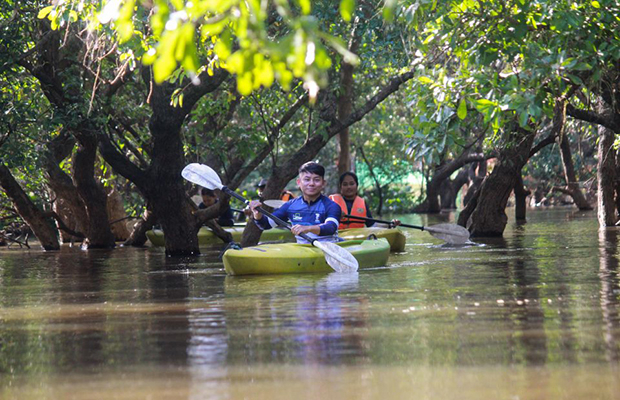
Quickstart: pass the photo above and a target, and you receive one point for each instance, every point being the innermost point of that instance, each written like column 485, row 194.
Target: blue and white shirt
column 323, row 212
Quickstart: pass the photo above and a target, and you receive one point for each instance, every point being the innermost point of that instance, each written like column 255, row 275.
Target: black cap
column 262, row 183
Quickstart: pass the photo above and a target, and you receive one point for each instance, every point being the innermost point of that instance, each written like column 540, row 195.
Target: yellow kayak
column 291, row 258
column 207, row 238
column 395, row 237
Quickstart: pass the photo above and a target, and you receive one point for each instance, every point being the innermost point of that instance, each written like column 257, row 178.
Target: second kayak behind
column 206, row 237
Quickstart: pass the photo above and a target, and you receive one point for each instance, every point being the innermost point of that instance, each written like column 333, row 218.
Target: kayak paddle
column 335, row 256
column 451, row 233
column 274, row 203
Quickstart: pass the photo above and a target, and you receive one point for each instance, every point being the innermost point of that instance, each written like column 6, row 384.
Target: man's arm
column 332, row 220
column 267, row 223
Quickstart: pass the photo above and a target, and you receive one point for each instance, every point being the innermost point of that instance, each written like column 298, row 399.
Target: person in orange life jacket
column 285, row 196
column 312, row 213
column 208, row 199
column 352, row 204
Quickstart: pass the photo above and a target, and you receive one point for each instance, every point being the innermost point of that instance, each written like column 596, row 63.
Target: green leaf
column 285, row 77
column 163, row 67
column 388, row 10
column 214, row 28
column 462, row 110
column 124, row 30
column 523, row 118
column 44, row 12
column 149, row 57
column 306, row 6
column 244, row 83
column 596, row 4
column 346, row 9
column 322, row 59
column 178, row 4
column 223, row 47
column 236, row 63
column 190, row 60
column 486, row 108
column 495, row 124
column 583, row 66
column 166, row 62
column 264, row 75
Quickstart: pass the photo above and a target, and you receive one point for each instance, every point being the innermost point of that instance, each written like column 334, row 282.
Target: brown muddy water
column 531, row 316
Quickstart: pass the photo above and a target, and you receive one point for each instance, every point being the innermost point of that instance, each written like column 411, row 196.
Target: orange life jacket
column 286, row 196
column 358, row 209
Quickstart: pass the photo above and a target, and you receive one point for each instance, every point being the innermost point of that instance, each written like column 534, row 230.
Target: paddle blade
column 337, row 257
column 274, row 203
column 451, row 233
column 202, row 175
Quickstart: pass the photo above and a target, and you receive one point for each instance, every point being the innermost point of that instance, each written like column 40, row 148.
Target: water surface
column 533, row 315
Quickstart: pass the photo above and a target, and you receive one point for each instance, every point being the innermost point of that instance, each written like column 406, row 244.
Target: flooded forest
column 473, row 143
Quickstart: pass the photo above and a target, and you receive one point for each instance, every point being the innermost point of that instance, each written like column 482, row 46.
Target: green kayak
column 395, row 237
column 291, row 258
column 206, row 237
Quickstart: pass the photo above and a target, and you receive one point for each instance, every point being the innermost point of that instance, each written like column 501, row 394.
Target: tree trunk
column 99, row 234
column 572, row 183
column 479, row 172
column 161, row 183
column 251, row 234
column 432, row 196
column 67, row 203
column 57, row 70
column 166, row 191
column 440, row 174
column 344, row 110
column 28, row 211
column 606, row 176
column 117, row 215
column 521, row 194
column 617, row 186
column 138, row 237
column 470, row 206
column 450, row 189
column 567, row 159
column 345, row 102
column 489, row 217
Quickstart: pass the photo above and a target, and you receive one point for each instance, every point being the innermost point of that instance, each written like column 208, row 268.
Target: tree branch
column 121, row 164
column 609, row 121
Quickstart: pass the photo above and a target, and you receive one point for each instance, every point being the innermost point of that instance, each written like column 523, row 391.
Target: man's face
column 310, row 184
column 260, row 191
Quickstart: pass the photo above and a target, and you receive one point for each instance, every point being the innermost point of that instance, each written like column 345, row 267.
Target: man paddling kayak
column 312, row 213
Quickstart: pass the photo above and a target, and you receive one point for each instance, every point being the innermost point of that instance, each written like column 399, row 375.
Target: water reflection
column 608, row 246
column 529, row 329
column 536, row 309
column 299, row 319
